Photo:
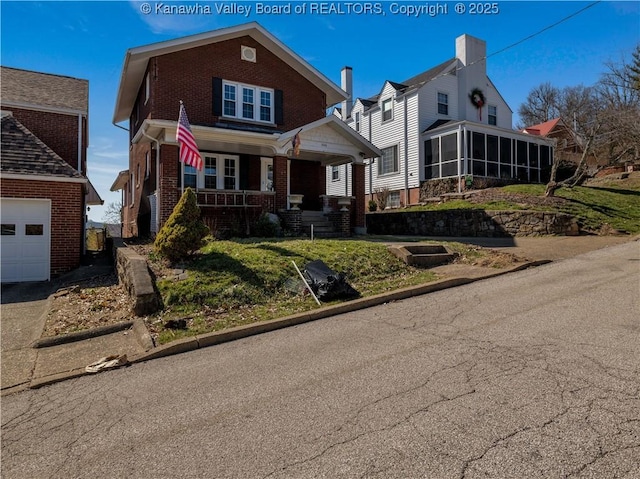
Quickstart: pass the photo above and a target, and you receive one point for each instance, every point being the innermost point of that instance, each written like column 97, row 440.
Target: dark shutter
column 279, row 107
column 217, row 96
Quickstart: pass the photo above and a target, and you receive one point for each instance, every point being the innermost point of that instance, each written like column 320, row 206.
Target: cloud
column 160, row 22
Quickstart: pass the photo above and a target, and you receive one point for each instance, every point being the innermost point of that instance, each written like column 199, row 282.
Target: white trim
column 257, row 102
column 382, row 110
column 397, row 161
column 6, row 105
column 60, row 179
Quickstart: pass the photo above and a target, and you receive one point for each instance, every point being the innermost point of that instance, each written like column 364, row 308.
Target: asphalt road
column 533, row 374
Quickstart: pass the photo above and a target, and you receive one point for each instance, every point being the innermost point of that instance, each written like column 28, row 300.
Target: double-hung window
column 248, row 102
column 357, row 121
column 387, row 109
column 335, row 173
column 443, row 104
column 220, row 172
column 389, row 162
column 493, row 115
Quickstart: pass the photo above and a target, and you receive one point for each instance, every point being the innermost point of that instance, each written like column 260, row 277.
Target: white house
column 447, row 122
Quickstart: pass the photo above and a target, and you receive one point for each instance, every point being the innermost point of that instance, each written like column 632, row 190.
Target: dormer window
column 249, row 108
column 387, row 109
column 358, row 121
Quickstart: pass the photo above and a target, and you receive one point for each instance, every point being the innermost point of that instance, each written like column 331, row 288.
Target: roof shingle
column 44, row 89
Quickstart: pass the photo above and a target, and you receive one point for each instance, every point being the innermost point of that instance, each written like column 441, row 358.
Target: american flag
column 296, row 144
column 189, row 153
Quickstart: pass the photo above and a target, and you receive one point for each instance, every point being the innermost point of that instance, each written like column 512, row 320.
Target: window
column 493, row 115
column 132, row 187
column 265, row 106
column 247, row 103
column 210, row 172
column 249, row 109
column 220, row 172
column 393, row 201
column 138, row 175
column 335, row 173
column 358, row 121
column 229, row 100
column 387, row 109
column 8, row 229
column 147, row 165
column 34, row 230
column 147, row 88
column 190, row 177
column 449, row 147
column 389, row 161
column 443, row 104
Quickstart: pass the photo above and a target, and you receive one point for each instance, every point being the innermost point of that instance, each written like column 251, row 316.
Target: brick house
column 246, row 95
column 43, row 174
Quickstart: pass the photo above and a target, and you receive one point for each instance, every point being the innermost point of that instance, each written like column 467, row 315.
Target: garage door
column 26, row 240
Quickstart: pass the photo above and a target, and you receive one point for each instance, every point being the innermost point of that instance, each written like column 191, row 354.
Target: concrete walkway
column 25, row 308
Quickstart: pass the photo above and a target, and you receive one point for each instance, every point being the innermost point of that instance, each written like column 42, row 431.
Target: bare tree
column 541, row 105
column 113, row 213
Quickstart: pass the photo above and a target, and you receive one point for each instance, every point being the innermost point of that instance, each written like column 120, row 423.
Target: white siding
column 429, row 100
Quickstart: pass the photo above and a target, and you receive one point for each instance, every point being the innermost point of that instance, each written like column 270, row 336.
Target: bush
column 373, row 206
column 266, row 227
column 184, row 231
column 382, row 196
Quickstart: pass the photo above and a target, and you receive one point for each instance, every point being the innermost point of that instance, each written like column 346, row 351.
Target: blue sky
column 89, row 40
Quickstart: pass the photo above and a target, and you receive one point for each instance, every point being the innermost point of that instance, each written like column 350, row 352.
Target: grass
column 245, row 281
column 595, row 206
column 616, row 206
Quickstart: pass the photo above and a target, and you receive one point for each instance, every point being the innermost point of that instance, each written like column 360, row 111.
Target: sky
column 89, row 40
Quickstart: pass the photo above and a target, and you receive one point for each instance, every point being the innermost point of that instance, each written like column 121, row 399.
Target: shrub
column 373, row 206
column 184, row 231
column 382, row 196
column 266, row 227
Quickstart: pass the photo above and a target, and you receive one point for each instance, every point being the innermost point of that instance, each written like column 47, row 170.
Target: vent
column 248, row 54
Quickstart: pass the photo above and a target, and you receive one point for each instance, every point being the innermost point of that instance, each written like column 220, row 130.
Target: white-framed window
column 393, row 201
column 388, row 164
column 138, row 175
column 335, row 173
column 387, row 109
column 220, row 172
column 493, row 115
column 357, row 118
column 443, row 103
column 247, row 102
column 147, row 88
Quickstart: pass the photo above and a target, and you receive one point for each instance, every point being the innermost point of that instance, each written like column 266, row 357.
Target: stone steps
column 423, row 255
column 322, row 227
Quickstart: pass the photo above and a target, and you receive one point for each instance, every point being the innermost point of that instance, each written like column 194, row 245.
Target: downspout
column 406, row 153
column 157, row 142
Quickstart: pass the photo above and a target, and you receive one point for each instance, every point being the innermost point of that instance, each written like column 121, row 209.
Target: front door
column 266, row 177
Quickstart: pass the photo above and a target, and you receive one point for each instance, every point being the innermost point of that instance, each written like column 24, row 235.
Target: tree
column 113, row 213
column 184, row 231
column 541, row 105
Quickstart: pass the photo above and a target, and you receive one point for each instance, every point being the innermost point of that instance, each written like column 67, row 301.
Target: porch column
column 357, row 190
column 280, row 181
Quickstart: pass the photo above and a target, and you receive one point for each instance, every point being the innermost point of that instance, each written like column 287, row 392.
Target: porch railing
column 236, row 199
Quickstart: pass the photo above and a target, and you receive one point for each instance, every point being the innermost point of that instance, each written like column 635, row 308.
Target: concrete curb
column 232, row 334
column 210, row 339
column 81, row 335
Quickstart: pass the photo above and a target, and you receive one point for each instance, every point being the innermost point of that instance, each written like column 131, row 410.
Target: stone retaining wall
column 133, row 272
column 472, row 223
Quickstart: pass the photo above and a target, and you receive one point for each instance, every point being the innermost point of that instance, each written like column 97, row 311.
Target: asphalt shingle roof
column 413, row 82
column 23, row 153
column 44, row 89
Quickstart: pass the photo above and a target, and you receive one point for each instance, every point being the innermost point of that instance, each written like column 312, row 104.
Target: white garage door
column 26, row 240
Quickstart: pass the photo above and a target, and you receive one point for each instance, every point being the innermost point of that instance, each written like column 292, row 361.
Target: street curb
column 82, row 335
column 239, row 332
column 210, row 339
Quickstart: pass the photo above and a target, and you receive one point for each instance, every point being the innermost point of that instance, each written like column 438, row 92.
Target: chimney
column 346, row 84
column 472, row 54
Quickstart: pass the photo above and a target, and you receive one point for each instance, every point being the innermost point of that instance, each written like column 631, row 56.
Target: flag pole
column 181, row 166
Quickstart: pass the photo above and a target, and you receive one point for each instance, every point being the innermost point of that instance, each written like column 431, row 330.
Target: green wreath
column 477, row 98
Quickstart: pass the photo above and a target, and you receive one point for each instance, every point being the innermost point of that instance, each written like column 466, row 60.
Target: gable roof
column 412, row 83
column 542, row 129
column 23, row 153
column 53, row 92
column 136, row 59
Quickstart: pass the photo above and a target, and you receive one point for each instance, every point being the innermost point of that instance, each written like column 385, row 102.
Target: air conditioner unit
column 248, row 54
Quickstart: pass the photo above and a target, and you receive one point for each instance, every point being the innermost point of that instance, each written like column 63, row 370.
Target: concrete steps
column 422, row 255
column 322, row 227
